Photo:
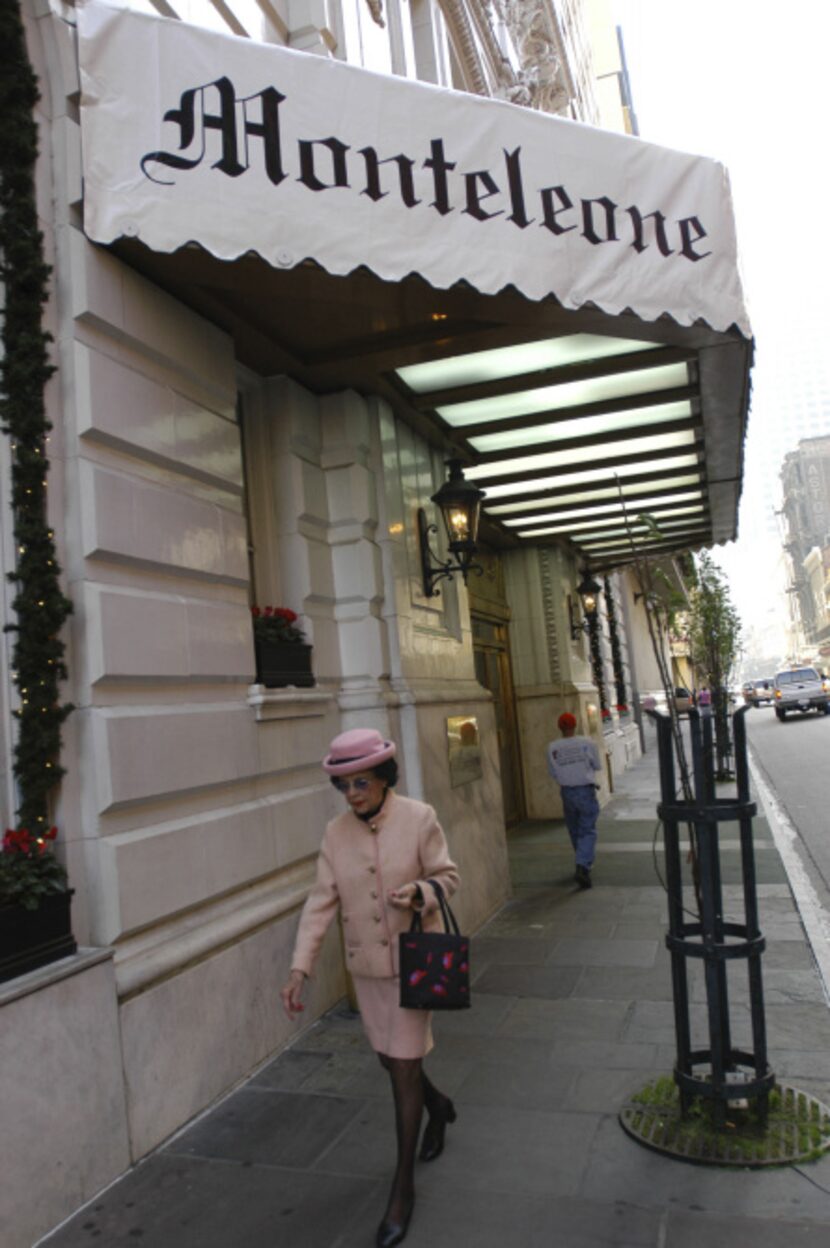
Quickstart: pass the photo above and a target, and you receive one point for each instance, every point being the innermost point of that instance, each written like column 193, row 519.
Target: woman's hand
column 292, row 992
column 407, row 897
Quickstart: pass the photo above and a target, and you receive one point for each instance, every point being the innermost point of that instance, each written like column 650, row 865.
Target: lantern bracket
column 433, row 568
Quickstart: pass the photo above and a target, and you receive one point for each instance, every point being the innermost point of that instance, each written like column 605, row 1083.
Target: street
column 792, row 757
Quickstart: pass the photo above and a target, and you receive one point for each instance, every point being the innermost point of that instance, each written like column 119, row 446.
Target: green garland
column 596, row 661
column 616, row 649
column 40, row 607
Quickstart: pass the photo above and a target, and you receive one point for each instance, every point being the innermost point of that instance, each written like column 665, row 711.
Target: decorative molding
column 543, row 81
column 46, row 976
column 465, row 46
column 168, row 948
column 546, row 572
column 288, row 703
column 376, row 9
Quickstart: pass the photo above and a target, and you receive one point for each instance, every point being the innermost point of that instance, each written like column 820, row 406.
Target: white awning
column 193, row 136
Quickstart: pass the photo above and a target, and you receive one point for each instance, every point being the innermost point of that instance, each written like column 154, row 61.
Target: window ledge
column 52, row 973
column 288, row 703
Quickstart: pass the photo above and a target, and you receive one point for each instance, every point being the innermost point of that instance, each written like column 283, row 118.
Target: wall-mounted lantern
column 589, row 591
column 460, row 504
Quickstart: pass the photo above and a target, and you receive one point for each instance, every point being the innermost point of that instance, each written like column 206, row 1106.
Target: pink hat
column 359, row 749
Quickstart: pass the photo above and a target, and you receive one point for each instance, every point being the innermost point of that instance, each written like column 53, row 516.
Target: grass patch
column 797, row 1127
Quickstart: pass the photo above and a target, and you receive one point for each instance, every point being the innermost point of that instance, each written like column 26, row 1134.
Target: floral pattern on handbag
column 435, row 966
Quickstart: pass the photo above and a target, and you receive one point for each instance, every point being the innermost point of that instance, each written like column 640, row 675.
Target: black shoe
column 432, row 1145
column 583, row 877
column 391, row 1233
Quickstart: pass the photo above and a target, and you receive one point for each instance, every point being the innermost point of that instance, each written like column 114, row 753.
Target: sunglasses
column 359, row 786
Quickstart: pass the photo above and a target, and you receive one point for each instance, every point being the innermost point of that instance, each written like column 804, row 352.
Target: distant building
column 805, row 479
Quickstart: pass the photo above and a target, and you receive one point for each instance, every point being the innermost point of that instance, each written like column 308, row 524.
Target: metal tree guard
column 712, row 939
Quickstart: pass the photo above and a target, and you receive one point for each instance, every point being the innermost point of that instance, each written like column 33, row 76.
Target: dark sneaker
column 583, row 877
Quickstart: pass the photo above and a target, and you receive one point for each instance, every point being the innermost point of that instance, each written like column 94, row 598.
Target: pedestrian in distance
column 376, row 864
column 573, row 762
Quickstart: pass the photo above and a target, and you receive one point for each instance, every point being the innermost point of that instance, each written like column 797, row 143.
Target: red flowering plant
column 276, row 624
column 29, row 869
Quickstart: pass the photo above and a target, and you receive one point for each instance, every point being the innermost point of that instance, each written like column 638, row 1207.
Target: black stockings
column 434, row 1101
column 408, row 1089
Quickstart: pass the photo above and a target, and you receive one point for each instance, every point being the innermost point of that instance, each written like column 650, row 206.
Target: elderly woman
column 377, row 863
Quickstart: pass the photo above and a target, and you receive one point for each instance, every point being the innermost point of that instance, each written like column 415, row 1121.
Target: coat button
column 384, row 942
column 376, row 917
column 373, row 827
column 373, row 895
column 372, row 870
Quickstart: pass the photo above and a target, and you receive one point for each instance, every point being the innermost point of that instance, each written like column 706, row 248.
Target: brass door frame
column 500, row 647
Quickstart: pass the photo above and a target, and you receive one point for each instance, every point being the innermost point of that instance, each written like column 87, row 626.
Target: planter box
column 283, row 663
column 33, row 938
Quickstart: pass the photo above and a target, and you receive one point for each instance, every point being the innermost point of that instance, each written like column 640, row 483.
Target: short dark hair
column 387, row 770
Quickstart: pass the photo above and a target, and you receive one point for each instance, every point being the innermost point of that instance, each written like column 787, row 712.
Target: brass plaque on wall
column 463, row 749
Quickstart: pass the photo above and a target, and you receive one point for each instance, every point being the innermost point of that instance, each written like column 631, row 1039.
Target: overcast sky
column 745, row 81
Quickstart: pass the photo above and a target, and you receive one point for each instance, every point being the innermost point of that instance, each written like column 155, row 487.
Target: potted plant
column 34, row 903
column 283, row 656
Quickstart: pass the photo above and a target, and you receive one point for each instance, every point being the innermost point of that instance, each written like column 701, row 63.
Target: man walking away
column 573, row 762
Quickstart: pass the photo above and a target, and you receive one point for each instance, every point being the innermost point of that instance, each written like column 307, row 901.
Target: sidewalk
column 572, row 1013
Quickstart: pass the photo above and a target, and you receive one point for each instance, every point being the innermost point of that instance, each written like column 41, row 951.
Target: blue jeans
column 581, row 811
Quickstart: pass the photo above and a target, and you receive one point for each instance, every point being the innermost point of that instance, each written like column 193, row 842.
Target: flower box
column 283, row 663
column 33, row 938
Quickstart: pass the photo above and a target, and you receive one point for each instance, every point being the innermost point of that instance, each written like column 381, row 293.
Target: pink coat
column 359, row 865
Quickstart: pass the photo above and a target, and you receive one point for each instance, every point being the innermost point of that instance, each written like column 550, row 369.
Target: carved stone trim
column 543, row 81
column 376, row 9
column 463, row 40
column 546, row 576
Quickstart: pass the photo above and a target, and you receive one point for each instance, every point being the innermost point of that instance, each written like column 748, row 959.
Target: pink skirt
column 389, row 1029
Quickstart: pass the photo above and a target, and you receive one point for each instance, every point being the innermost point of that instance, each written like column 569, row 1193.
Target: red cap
column 566, row 720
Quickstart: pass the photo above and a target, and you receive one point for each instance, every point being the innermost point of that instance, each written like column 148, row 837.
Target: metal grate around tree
column 722, row 1105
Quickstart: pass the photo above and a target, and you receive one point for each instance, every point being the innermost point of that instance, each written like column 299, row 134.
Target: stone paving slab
column 528, row 981
column 269, row 1128
column 178, row 1202
column 624, row 1170
column 691, row 1230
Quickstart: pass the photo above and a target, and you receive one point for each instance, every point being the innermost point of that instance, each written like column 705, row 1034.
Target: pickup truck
column 801, row 689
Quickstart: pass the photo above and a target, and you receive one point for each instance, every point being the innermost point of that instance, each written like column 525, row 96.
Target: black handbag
column 435, row 966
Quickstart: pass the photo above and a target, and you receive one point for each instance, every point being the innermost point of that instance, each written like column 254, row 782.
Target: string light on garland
column 40, row 608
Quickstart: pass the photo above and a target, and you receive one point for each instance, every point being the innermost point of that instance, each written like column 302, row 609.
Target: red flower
column 255, row 612
column 17, row 841
column 269, row 611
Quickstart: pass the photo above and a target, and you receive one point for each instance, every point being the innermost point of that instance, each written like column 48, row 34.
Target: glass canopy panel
column 567, row 526
column 664, row 525
column 600, row 509
column 612, row 539
column 578, row 454
column 527, row 357
column 582, row 427
column 567, row 394
column 586, row 496
column 567, row 520
column 578, row 478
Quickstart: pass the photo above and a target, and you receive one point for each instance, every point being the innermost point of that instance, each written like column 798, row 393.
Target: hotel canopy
column 557, row 305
